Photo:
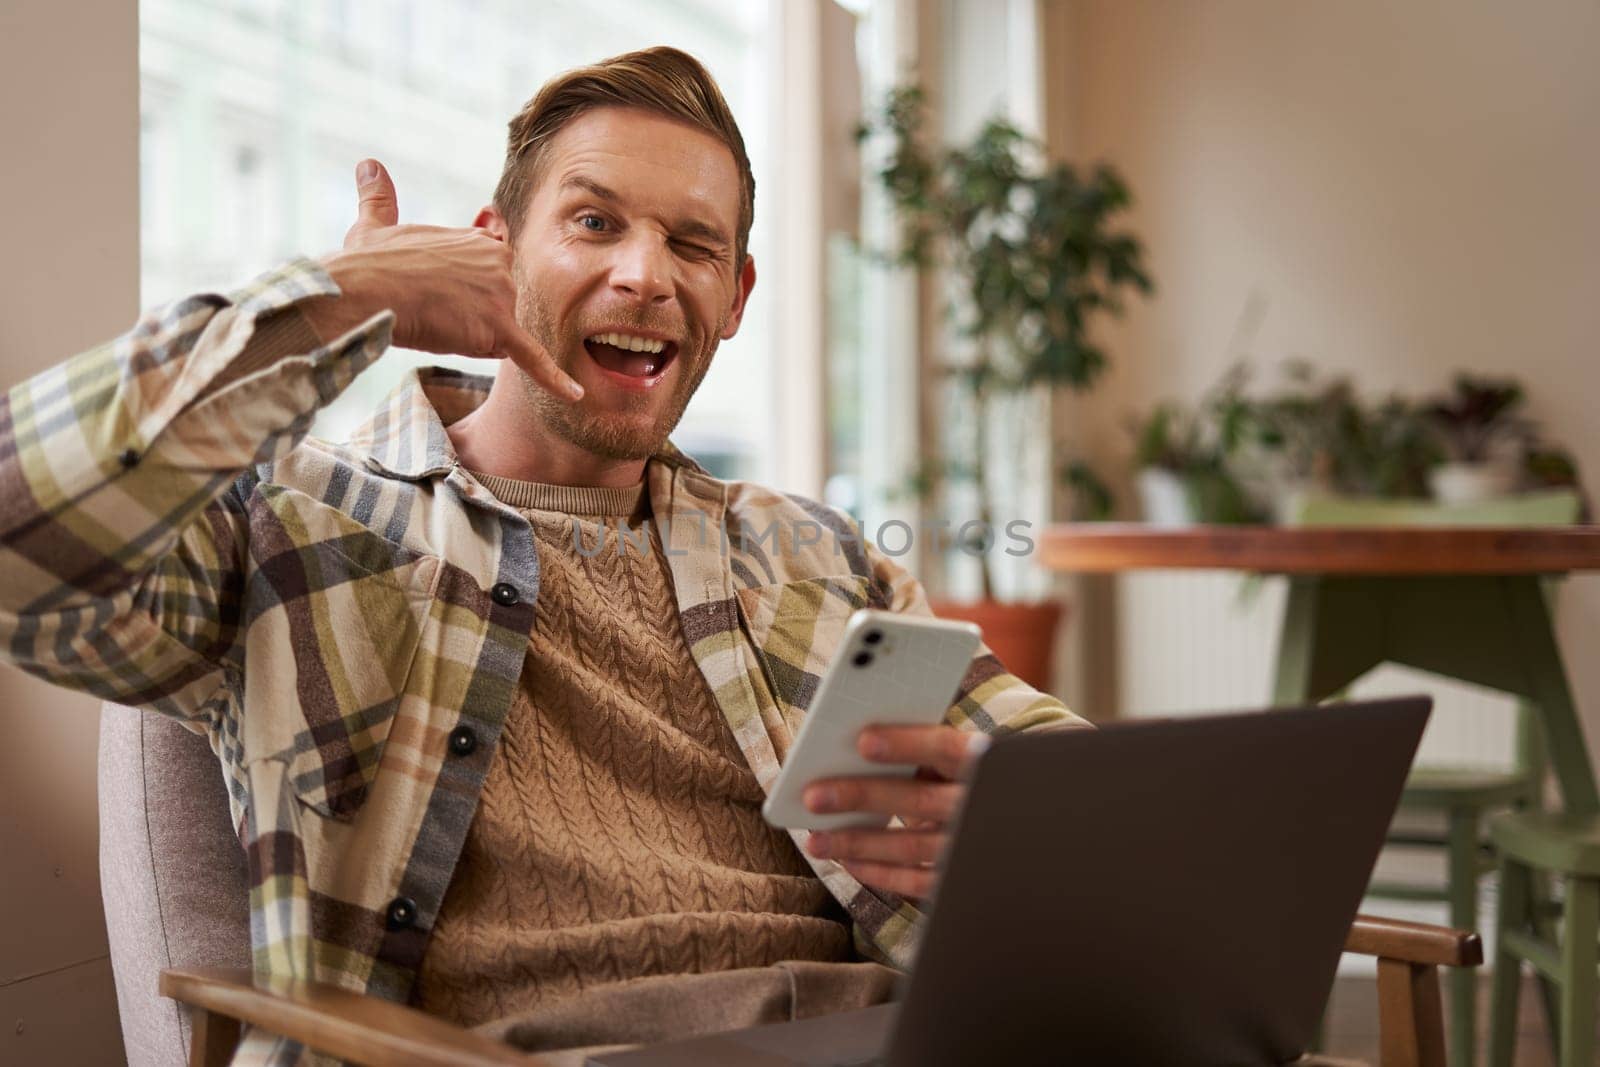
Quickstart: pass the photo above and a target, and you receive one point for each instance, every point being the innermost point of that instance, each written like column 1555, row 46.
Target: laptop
column 1155, row 891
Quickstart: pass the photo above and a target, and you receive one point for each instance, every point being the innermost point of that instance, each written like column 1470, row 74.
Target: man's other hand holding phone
column 899, row 859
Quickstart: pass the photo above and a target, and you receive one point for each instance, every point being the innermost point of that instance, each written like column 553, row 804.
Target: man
column 474, row 763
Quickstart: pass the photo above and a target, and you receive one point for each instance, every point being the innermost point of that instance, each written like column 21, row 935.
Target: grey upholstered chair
column 172, row 873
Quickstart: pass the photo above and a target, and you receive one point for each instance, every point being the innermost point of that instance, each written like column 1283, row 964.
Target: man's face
column 625, row 273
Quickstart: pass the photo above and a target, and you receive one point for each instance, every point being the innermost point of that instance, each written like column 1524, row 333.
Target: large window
column 871, row 338
column 889, row 410
column 255, row 112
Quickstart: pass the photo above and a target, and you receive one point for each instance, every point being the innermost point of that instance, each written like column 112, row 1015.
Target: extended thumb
column 378, row 205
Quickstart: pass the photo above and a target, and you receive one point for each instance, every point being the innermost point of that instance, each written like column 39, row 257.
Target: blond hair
column 662, row 80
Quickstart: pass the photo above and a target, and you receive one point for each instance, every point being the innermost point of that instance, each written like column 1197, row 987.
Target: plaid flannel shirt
column 347, row 623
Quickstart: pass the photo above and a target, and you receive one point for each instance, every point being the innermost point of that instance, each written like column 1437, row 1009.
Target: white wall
column 1412, row 188
column 69, row 210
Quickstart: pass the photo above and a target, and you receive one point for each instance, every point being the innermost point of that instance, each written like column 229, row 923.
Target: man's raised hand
column 451, row 289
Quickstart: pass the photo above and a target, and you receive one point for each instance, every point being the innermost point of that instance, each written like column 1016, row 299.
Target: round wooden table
column 1463, row 601
column 1466, row 602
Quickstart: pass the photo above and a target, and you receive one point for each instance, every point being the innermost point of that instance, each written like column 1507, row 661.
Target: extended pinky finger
column 539, row 365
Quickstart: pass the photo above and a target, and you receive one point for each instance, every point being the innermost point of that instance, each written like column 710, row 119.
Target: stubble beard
column 613, row 433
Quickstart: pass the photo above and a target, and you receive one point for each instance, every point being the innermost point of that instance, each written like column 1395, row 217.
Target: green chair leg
column 1513, row 914
column 1579, row 983
column 1535, row 847
column 1463, row 887
column 1542, row 913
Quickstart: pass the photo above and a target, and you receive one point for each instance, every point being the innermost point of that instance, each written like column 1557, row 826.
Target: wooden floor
column 1353, row 1022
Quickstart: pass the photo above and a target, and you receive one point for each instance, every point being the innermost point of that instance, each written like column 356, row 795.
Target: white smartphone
column 891, row 669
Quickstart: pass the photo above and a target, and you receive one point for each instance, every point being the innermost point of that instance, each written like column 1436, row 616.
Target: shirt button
column 402, row 913
column 505, row 594
column 129, row 458
column 463, row 741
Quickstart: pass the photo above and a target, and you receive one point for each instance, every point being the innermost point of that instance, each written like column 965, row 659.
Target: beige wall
column 1411, row 188
column 69, row 212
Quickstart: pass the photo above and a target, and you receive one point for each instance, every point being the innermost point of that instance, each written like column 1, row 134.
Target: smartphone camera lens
column 861, row 659
column 872, row 637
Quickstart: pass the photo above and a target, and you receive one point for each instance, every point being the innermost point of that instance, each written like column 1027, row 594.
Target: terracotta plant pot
column 1022, row 635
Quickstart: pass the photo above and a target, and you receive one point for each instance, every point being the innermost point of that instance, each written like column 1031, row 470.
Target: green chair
column 1461, row 796
column 1532, row 844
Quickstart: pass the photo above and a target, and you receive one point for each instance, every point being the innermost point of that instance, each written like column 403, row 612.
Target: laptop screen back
column 1157, row 891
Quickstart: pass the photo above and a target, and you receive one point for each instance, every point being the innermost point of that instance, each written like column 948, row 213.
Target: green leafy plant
column 1195, row 445
column 1306, row 424
column 1548, row 466
column 1092, row 499
column 1321, row 434
column 1035, row 257
column 1317, row 432
column 1168, row 438
column 1389, row 452
column 1478, row 415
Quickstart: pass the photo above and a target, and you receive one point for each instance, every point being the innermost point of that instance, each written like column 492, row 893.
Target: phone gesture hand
column 451, row 289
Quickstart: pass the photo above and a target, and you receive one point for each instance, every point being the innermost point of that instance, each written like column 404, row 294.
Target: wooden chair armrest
column 1410, row 1017
column 351, row 1026
column 1395, row 939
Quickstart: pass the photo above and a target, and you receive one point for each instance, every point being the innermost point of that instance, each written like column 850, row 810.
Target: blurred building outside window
column 872, row 310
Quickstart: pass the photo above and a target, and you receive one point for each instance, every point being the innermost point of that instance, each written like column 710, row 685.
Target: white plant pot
column 1470, row 483
column 1164, row 498
column 1289, row 502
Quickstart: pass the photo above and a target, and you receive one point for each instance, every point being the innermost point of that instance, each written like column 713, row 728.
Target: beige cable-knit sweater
column 619, row 832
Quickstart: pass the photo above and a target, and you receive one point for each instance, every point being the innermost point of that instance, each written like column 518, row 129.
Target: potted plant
column 1165, row 450
column 1182, row 459
column 1296, row 434
column 1390, row 451
column 1315, row 436
column 1483, row 435
column 1034, row 258
column 1182, row 475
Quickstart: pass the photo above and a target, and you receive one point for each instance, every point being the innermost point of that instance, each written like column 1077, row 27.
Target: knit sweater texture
column 619, row 834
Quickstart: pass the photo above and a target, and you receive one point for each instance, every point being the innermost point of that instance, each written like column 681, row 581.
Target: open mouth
column 632, row 357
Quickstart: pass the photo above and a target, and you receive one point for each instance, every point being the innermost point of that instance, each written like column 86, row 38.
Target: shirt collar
column 405, row 437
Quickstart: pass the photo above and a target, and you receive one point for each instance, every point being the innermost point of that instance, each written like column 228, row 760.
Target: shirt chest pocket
column 335, row 615
column 795, row 629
